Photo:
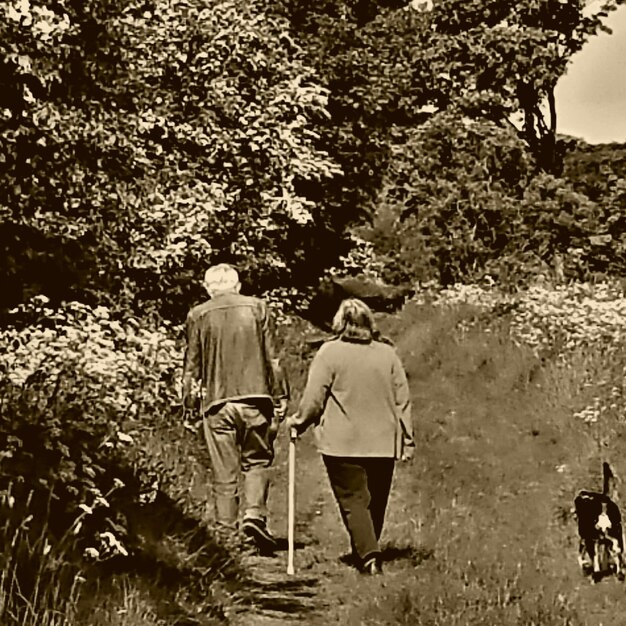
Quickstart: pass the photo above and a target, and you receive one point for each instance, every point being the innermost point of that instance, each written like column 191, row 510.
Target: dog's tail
column 607, row 479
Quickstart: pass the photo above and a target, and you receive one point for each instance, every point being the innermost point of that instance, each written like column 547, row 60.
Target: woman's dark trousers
column 361, row 486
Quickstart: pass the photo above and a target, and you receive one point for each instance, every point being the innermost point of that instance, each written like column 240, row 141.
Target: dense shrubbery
column 141, row 143
column 83, row 484
column 463, row 200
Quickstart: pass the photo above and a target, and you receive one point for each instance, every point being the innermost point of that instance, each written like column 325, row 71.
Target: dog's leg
column 585, row 556
column 615, row 554
column 619, row 559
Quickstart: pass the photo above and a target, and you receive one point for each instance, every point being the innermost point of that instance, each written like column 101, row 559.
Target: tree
column 444, row 120
column 159, row 138
column 391, row 63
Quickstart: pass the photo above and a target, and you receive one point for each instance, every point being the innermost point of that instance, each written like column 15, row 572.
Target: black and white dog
column 600, row 528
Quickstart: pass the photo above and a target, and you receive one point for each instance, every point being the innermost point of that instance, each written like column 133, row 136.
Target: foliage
column 462, row 201
column 440, row 106
column 81, row 489
column 142, row 143
column 594, row 169
column 394, row 63
column 600, row 173
column 551, row 320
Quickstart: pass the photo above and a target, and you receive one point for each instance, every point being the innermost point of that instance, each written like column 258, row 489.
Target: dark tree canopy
column 140, row 142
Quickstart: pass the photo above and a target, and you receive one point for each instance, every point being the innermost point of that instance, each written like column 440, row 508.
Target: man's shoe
column 372, row 567
column 256, row 531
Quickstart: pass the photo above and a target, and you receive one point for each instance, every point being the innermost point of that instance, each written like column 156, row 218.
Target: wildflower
column 41, row 299
column 91, row 553
column 117, row 483
column 85, row 508
column 101, row 312
column 8, row 499
column 46, row 548
column 124, row 438
column 100, row 501
column 112, row 543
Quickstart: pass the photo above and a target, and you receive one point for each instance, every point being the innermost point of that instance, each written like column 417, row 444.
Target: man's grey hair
column 222, row 277
column 354, row 320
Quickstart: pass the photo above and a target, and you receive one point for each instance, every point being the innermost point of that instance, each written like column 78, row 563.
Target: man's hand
column 273, row 429
column 280, row 408
column 192, row 392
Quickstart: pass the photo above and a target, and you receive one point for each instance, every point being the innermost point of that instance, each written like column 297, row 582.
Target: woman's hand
column 293, row 424
column 280, row 408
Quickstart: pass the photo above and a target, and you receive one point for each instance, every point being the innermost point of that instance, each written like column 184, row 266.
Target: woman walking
column 357, row 396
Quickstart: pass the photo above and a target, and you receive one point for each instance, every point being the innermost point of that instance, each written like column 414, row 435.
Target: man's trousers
column 238, row 438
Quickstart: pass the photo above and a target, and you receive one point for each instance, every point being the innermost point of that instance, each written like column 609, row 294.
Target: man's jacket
column 230, row 352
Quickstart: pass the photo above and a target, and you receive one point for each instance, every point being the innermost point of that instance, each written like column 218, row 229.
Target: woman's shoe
column 372, row 567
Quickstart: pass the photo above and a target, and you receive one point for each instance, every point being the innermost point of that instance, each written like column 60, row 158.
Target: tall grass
column 503, row 447
column 39, row 580
column 77, row 515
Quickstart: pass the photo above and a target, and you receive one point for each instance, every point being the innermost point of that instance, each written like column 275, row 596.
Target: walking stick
column 293, row 435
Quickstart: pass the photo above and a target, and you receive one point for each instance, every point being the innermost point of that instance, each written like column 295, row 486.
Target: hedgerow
column 83, row 486
column 582, row 323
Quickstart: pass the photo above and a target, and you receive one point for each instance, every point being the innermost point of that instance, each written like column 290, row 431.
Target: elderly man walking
column 230, row 358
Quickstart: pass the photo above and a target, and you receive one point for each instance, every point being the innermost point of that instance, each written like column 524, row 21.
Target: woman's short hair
column 354, row 320
column 222, row 277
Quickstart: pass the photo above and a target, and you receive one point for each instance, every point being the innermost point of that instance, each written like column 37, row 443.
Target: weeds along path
column 479, row 528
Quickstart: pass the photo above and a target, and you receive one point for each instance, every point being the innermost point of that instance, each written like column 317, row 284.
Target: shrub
column 79, row 393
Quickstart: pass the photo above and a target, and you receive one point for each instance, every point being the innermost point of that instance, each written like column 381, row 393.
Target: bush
column 142, row 144
column 463, row 200
column 83, row 494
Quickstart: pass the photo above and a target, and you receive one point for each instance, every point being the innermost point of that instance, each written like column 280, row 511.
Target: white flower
column 100, row 501
column 124, row 438
column 111, row 542
column 86, row 509
column 91, row 553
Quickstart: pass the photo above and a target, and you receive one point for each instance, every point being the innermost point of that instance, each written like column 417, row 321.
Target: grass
column 500, row 458
column 39, row 582
column 480, row 528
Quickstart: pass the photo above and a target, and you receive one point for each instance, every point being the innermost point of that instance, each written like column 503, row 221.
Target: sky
column 591, row 97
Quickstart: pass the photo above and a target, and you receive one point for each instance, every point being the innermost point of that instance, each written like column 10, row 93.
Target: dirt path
column 478, row 528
